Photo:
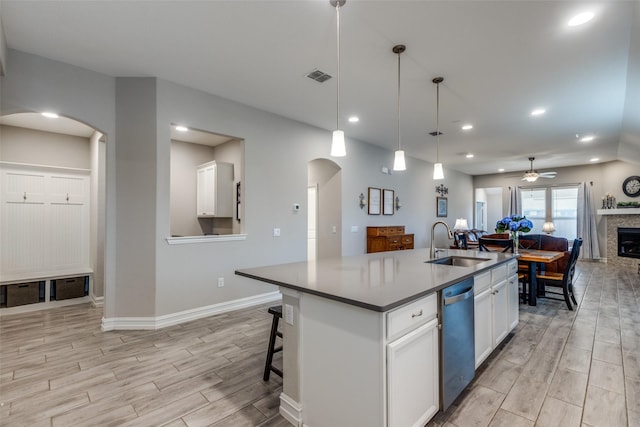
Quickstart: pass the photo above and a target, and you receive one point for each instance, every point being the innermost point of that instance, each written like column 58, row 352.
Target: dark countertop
column 380, row 281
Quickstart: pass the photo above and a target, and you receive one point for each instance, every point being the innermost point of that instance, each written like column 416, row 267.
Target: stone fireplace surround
column 619, row 218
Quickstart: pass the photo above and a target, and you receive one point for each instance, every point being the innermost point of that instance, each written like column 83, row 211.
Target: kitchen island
column 361, row 334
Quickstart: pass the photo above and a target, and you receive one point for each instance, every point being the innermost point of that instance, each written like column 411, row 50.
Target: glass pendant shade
column 337, row 144
column 438, row 172
column 398, row 161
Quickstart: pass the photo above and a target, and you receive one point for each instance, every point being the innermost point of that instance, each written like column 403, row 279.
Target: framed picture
column 374, row 201
column 441, row 206
column 387, row 202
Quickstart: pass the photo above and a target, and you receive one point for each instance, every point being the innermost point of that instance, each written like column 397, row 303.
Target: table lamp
column 548, row 227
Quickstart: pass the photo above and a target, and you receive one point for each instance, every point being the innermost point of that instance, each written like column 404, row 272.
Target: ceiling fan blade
column 547, row 174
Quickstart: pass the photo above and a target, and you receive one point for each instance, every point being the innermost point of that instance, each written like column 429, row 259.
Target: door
column 480, row 216
column 312, row 222
column 412, row 377
column 483, row 326
column 500, row 313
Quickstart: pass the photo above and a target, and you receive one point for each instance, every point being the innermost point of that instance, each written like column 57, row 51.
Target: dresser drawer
column 385, row 231
column 408, row 317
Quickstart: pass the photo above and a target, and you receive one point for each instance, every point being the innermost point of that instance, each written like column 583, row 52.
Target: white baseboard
column 97, row 301
column 153, row 323
column 290, row 410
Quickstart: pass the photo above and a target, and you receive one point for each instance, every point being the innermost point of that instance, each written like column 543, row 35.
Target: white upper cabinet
column 215, row 190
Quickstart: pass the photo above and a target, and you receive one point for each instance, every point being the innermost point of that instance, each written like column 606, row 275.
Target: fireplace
column 629, row 242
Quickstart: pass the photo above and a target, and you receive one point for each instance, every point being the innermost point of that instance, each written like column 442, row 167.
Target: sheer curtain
column 587, row 223
column 515, row 201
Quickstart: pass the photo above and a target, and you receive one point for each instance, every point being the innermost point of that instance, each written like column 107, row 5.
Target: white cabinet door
column 206, row 191
column 514, row 301
column 412, row 377
column 483, row 326
column 500, row 312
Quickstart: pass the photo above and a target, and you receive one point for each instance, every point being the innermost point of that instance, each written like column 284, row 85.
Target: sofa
column 467, row 239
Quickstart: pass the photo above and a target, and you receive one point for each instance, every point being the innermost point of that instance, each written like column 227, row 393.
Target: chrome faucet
column 434, row 251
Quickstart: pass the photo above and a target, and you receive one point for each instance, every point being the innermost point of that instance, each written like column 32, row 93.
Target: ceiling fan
column 532, row 175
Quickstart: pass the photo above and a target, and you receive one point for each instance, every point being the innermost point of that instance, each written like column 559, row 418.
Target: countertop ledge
column 380, row 281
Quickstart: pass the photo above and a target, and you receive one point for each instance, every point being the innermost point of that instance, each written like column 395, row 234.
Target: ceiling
column 499, row 60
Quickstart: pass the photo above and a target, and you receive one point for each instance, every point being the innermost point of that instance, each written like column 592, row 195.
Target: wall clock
column 631, row 186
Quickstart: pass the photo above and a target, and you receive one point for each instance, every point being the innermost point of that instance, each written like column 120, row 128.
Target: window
column 552, row 204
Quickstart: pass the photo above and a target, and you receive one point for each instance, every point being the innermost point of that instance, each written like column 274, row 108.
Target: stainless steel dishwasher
column 457, row 346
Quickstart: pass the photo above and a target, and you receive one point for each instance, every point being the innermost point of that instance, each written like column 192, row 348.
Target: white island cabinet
column 385, row 363
column 362, row 335
column 495, row 306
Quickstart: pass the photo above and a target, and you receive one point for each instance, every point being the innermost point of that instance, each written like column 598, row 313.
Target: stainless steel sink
column 458, row 261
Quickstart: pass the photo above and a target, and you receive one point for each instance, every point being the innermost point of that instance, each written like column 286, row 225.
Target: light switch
column 276, row 232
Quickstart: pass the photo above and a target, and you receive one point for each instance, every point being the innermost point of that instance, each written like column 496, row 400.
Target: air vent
column 319, row 76
column 435, row 133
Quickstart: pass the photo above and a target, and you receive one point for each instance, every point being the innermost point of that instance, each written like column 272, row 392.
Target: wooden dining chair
column 461, row 240
column 562, row 280
column 488, row 244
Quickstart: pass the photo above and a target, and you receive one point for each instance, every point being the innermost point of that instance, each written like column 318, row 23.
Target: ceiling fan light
column 338, row 148
column 398, row 162
column 438, row 172
column 530, row 177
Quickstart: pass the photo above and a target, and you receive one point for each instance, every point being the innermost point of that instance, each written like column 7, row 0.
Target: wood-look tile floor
column 558, row 368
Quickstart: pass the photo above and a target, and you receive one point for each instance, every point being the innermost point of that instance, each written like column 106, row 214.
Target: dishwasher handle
column 468, row 293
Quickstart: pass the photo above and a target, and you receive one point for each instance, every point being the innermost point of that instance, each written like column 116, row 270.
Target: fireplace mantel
column 622, row 211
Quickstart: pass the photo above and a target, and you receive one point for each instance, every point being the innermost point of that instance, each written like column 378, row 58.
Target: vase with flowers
column 514, row 225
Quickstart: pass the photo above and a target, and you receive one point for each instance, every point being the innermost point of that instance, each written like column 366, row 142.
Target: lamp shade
column 398, row 161
column 461, row 224
column 548, row 227
column 438, row 172
column 337, row 144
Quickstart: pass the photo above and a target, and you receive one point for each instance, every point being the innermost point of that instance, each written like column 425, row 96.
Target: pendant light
column 337, row 143
column 398, row 162
column 438, row 172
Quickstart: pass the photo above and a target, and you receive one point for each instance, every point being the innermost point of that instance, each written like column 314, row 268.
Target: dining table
column 534, row 257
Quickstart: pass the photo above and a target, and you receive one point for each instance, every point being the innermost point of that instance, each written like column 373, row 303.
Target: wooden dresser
column 389, row 238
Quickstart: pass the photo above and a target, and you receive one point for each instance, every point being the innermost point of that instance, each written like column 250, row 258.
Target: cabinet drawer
column 512, row 268
column 481, row 282
column 498, row 274
column 410, row 316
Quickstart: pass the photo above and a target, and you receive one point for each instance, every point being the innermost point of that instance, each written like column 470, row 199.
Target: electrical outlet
column 220, row 282
column 334, row 229
column 288, row 314
column 354, row 228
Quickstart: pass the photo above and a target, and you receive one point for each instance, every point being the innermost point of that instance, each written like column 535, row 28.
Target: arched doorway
column 65, row 152
column 325, row 209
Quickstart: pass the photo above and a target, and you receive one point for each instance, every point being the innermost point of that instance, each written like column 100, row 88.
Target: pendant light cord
column 438, row 123
column 399, row 100
column 338, row 76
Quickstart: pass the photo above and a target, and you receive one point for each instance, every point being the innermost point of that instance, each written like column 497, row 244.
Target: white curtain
column 515, row 201
column 587, row 223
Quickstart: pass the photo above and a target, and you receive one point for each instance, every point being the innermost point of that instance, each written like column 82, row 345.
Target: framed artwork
column 441, row 206
column 374, row 201
column 387, row 202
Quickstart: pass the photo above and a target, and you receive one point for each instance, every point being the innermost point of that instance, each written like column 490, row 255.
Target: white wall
column 146, row 277
column 20, row 145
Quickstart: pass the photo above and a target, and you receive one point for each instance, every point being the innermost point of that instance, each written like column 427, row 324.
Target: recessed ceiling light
column 469, row 155
column 595, row 159
column 587, row 138
column 501, row 170
column 354, row 119
column 467, row 127
column 182, row 128
column 50, row 115
column 538, row 112
column 581, row 18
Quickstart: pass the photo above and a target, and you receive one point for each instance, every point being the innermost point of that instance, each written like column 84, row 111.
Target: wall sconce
column 442, row 190
column 398, row 204
column 363, row 202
